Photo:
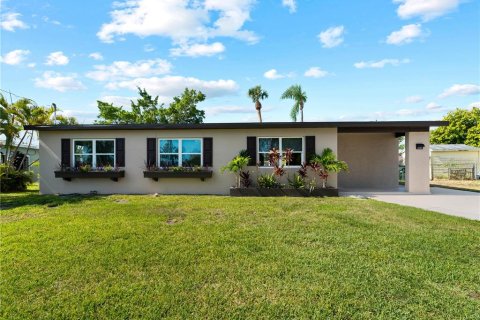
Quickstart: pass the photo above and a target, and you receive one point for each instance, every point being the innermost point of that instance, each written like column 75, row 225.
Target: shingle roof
column 452, row 147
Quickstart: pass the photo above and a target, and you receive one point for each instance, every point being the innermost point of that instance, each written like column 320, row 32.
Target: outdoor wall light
column 420, row 146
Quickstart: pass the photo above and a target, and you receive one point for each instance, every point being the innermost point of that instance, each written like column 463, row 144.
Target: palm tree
column 329, row 163
column 257, row 94
column 300, row 97
column 14, row 116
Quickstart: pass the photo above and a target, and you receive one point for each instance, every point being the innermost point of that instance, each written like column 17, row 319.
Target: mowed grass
column 209, row 257
column 472, row 185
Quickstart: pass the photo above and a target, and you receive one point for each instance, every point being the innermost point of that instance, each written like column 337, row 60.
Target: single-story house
column 459, row 160
column 32, row 152
column 369, row 148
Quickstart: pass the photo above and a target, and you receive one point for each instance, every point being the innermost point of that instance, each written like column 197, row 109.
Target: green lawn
column 128, row 257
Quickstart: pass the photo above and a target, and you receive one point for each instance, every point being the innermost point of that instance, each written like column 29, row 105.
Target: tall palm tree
column 14, row 116
column 300, row 97
column 256, row 94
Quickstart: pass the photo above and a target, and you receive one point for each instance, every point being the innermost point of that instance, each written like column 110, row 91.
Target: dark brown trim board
column 355, row 126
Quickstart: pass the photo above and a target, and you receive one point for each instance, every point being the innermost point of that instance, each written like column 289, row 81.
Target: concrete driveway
column 452, row 202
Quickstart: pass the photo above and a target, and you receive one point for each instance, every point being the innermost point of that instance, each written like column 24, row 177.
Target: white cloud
column 119, row 70
column 82, row 116
column 332, row 37
column 315, row 72
column 413, row 99
column 96, row 56
column 380, row 64
column 48, row 20
column 179, row 20
column 118, row 100
column 56, row 81
column 196, row 50
column 31, row 65
column 15, row 57
column 461, row 90
column 57, row 58
column 426, row 9
column 433, row 106
column 416, row 113
column 474, row 105
column 212, row 111
column 406, row 34
column 170, row 86
column 273, row 74
column 290, row 4
column 10, row 21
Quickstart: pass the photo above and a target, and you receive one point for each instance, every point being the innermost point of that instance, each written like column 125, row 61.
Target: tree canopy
column 256, row 94
column 146, row 109
column 464, row 128
column 299, row 96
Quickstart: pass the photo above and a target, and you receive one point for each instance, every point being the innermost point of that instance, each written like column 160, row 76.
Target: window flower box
column 160, row 174
column 68, row 175
column 283, row 192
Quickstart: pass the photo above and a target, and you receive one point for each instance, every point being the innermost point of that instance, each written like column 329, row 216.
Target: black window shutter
column 208, row 152
column 252, row 150
column 151, row 151
column 309, row 147
column 120, row 152
column 66, row 154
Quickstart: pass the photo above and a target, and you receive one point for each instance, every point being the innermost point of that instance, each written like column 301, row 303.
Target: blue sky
column 357, row 60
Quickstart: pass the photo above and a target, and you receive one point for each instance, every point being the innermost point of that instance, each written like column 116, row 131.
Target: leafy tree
column 256, row 94
column 61, row 119
column 473, row 136
column 300, row 97
column 146, row 109
column 183, row 109
column 461, row 121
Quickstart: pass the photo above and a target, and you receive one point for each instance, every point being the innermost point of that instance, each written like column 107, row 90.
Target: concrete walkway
column 452, row 202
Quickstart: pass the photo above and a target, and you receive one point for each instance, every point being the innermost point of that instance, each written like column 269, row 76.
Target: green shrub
column 297, row 182
column 268, row 181
column 14, row 180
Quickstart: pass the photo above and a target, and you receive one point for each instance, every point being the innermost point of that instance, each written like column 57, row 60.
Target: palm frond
column 294, row 111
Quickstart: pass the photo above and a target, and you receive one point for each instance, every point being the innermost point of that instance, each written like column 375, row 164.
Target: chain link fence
column 453, row 169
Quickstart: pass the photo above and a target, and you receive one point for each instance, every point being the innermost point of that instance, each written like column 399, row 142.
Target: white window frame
column 94, row 151
column 280, row 140
column 180, row 153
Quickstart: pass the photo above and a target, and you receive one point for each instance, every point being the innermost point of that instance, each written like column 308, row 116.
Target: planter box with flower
column 87, row 172
column 156, row 173
column 300, row 185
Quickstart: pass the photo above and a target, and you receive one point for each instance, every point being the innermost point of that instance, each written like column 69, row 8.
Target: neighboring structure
column 33, row 154
column 454, row 161
column 369, row 148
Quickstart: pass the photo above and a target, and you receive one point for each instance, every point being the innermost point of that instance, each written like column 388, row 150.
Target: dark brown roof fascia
column 376, row 126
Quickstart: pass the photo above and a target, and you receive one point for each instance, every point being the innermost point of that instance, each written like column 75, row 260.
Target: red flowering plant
column 303, row 171
column 273, row 157
column 288, row 156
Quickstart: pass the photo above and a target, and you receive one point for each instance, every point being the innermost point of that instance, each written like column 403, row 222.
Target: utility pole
column 54, row 113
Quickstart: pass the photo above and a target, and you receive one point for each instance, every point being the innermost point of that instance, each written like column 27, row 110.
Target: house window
column 267, row 144
column 94, row 152
column 180, row 152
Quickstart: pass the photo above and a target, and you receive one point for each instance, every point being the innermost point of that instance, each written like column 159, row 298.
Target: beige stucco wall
column 226, row 144
column 372, row 159
column 417, row 173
